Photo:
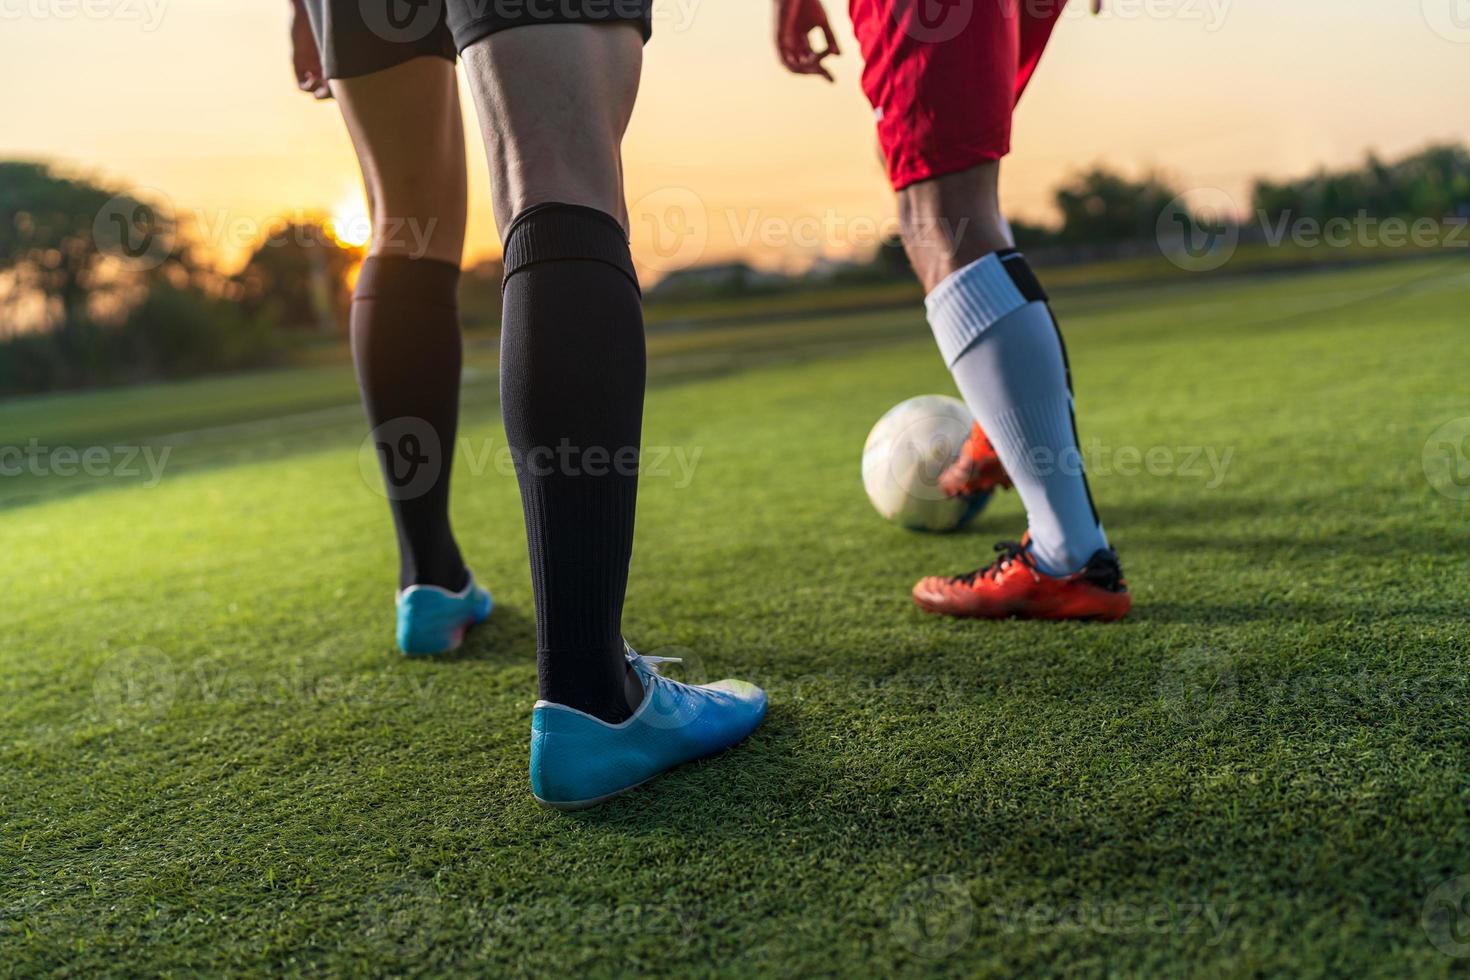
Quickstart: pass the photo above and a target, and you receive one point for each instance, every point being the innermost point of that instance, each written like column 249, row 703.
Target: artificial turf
column 213, row 760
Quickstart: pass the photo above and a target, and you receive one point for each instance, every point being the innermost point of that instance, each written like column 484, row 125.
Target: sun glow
column 350, row 224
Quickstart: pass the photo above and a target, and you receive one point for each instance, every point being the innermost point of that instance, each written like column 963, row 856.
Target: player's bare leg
column 951, row 221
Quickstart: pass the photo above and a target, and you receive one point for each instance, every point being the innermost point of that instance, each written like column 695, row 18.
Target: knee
column 419, row 217
column 942, row 235
column 594, row 182
column 576, row 165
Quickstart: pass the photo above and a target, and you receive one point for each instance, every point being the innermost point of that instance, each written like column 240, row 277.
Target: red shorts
column 944, row 76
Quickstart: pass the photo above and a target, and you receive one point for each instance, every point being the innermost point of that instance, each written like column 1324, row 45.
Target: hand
column 795, row 20
column 304, row 55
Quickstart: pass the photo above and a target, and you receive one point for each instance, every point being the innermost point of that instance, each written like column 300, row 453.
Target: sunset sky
column 195, row 98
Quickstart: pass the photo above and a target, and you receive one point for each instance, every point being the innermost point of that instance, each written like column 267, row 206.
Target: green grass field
column 211, row 758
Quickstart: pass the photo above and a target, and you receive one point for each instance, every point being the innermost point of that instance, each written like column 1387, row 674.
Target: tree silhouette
column 71, row 241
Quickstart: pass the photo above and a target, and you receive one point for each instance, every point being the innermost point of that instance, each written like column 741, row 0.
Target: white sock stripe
column 968, row 301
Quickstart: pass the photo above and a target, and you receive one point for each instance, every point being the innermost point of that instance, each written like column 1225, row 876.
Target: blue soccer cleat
column 433, row 620
column 578, row 761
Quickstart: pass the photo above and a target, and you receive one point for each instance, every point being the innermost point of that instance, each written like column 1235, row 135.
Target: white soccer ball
column 905, row 454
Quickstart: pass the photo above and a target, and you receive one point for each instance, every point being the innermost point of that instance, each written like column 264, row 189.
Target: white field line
column 295, row 422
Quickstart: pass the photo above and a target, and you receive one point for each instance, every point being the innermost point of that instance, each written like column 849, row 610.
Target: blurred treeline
column 99, row 285
column 1100, row 207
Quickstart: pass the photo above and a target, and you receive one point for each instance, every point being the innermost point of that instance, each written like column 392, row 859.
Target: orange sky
column 195, row 98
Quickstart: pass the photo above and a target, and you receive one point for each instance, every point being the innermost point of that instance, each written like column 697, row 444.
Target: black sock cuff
column 557, row 232
column 409, row 280
column 1019, row 270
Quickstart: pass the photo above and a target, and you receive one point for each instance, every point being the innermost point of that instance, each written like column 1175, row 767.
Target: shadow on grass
column 701, row 799
column 509, row 633
column 1343, row 614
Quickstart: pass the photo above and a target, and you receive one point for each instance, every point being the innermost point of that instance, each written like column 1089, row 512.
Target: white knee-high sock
column 1003, row 348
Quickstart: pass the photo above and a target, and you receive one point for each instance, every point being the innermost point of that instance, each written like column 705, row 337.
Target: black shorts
column 358, row 37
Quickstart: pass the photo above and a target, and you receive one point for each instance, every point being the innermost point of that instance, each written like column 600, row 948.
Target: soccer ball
column 912, row 444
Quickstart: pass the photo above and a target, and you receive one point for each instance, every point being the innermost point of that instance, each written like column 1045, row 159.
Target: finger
column 796, row 56
column 818, row 67
column 813, row 68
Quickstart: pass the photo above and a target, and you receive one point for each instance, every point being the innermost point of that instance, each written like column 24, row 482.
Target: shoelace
column 636, row 658
column 1009, row 551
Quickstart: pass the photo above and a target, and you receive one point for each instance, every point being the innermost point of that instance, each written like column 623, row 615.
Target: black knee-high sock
column 571, row 390
column 406, row 345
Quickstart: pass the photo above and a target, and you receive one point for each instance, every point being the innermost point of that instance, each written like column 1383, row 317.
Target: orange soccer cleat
column 1012, row 586
column 978, row 470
